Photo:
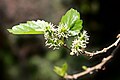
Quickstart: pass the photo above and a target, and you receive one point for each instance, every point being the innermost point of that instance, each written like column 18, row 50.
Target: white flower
column 84, row 35
column 79, row 43
column 53, row 36
column 63, row 31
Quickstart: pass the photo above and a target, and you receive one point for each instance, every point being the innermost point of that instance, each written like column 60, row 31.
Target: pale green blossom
column 63, row 31
column 55, row 36
column 79, row 43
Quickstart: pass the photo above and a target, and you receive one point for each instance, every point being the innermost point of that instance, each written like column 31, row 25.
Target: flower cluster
column 79, row 43
column 63, row 31
column 55, row 36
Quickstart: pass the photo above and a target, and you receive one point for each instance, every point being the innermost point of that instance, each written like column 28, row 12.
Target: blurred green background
column 25, row 57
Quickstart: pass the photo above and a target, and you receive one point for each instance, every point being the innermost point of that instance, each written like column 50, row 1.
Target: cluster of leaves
column 61, row 71
column 56, row 35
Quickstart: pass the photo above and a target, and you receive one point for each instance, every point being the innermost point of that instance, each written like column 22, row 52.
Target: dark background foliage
column 25, row 57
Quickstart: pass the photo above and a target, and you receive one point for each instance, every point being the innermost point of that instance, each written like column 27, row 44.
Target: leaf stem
column 66, row 47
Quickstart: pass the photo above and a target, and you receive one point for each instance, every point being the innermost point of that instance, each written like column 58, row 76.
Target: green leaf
column 77, row 25
column 75, row 30
column 72, row 20
column 61, row 71
column 58, row 70
column 84, row 67
column 64, row 68
column 31, row 27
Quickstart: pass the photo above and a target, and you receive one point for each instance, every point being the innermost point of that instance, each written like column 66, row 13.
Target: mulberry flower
column 79, row 43
column 55, row 36
column 52, row 38
column 63, row 31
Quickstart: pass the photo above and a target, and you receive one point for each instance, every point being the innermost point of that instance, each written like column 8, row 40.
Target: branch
column 98, row 66
column 104, row 49
column 91, row 69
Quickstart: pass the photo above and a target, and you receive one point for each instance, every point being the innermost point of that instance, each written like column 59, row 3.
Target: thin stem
column 66, row 47
column 89, row 70
column 94, row 68
column 104, row 49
